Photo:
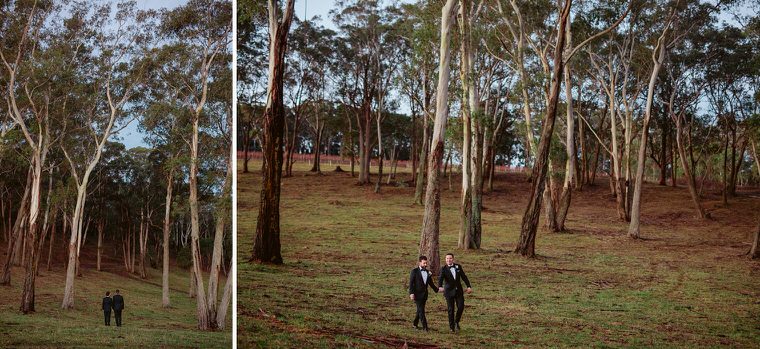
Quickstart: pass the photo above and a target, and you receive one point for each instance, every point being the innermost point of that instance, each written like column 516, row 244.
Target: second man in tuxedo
column 419, row 280
column 118, row 306
column 451, row 279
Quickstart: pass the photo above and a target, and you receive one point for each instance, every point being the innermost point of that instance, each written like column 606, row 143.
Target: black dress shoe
column 457, row 327
column 415, row 327
column 452, row 330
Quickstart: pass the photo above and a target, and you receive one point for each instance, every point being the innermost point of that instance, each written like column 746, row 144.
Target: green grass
column 145, row 323
column 348, row 252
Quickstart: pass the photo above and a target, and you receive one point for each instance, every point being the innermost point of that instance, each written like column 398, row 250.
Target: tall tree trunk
column 246, row 141
column 527, row 242
column 429, row 237
column 754, row 252
column 424, row 150
column 54, row 225
column 101, row 224
column 566, row 196
column 223, row 216
column 224, row 304
column 634, row 227
column 673, row 166
column 143, row 241
column 688, row 171
column 663, row 156
column 165, row 300
column 725, row 169
column 27, row 295
column 266, row 245
column 17, row 233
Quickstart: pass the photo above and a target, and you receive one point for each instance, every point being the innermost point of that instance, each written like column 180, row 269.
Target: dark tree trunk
column 526, row 245
column 266, row 244
column 17, row 234
column 754, row 253
column 246, row 141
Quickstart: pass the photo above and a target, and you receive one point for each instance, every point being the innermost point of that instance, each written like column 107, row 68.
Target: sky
column 131, row 136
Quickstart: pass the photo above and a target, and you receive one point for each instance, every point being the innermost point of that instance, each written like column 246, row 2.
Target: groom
column 451, row 279
column 419, row 280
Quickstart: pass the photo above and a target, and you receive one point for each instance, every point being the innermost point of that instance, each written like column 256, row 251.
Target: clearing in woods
column 348, row 252
column 145, row 323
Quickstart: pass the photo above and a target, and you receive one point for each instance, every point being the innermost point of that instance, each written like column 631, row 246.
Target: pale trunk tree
column 429, row 237
column 211, row 50
column 472, row 170
column 224, row 304
column 688, row 170
column 658, row 57
column 81, row 181
column 223, row 215
column 165, row 301
column 465, row 217
column 566, row 196
column 38, row 139
column 425, row 148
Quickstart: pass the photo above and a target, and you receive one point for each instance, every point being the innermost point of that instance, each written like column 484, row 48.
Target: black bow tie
column 424, row 269
column 451, row 266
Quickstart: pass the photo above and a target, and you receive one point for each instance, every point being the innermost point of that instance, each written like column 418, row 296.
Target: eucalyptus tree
column 429, row 236
column 203, row 43
column 31, row 114
column 526, row 243
column 117, row 43
column 163, row 116
column 266, row 245
column 362, row 28
column 418, row 29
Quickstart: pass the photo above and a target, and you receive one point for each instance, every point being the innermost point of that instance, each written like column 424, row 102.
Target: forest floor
column 146, row 324
column 348, row 252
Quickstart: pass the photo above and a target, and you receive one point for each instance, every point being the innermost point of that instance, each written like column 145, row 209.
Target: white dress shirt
column 424, row 276
column 453, row 271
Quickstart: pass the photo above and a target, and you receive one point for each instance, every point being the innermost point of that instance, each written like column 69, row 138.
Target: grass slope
column 348, row 253
column 145, row 323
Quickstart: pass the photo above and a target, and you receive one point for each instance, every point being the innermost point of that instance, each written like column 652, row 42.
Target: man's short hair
column 108, row 293
column 450, row 254
column 423, row 258
column 117, row 291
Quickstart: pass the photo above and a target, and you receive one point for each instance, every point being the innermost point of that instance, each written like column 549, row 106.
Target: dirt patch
column 332, row 332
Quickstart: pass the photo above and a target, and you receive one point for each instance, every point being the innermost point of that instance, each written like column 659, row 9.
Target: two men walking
column 116, row 304
column 450, row 282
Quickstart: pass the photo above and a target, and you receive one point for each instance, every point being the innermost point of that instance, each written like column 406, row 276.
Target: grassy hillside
column 145, row 323
column 348, row 253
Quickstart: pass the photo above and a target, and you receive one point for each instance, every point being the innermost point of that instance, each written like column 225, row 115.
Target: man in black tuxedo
column 107, row 305
column 419, row 280
column 451, row 279
column 118, row 306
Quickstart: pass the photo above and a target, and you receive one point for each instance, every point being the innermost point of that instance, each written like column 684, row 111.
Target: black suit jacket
column 118, row 302
column 107, row 304
column 418, row 287
column 452, row 286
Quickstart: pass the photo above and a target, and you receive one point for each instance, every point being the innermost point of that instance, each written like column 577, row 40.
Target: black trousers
column 450, row 301
column 107, row 315
column 420, row 317
column 117, row 314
